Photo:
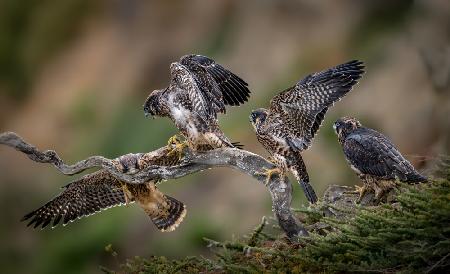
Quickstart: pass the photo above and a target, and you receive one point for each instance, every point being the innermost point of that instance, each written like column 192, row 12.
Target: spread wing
column 374, row 154
column 89, row 194
column 218, row 84
column 303, row 107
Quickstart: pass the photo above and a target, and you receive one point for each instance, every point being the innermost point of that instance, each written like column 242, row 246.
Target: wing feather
column 87, row 195
column 227, row 87
column 372, row 153
column 303, row 107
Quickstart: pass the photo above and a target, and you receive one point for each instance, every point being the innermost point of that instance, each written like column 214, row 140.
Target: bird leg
column 269, row 172
column 179, row 146
column 362, row 192
column 379, row 187
column 173, row 140
column 382, row 189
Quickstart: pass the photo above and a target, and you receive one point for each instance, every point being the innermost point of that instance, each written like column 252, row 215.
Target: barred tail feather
column 176, row 213
column 309, row 192
column 298, row 168
column 237, row 145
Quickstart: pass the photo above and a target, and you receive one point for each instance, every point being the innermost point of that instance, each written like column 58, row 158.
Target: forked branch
column 247, row 162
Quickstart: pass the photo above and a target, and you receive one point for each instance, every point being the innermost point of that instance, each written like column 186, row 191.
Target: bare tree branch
column 247, row 162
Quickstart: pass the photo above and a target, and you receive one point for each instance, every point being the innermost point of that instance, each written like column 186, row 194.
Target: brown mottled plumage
column 100, row 190
column 198, row 90
column 288, row 127
column 374, row 158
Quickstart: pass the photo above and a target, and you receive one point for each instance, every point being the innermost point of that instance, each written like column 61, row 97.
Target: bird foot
column 380, row 190
column 178, row 146
column 173, row 140
column 362, row 192
column 268, row 173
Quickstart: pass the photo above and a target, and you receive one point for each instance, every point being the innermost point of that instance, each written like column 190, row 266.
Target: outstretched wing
column 89, row 194
column 372, row 153
column 302, row 107
column 220, row 85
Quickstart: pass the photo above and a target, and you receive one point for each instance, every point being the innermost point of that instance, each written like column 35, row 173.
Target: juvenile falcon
column 199, row 89
column 288, row 127
column 374, row 158
column 100, row 190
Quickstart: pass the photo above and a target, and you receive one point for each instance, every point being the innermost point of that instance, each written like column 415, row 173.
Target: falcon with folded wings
column 376, row 160
column 199, row 89
column 288, row 127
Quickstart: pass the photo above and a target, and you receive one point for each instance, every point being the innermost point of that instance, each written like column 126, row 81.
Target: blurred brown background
column 74, row 75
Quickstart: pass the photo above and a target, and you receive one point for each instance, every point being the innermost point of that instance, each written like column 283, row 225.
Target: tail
column 237, row 145
column 416, row 178
column 309, row 192
column 298, row 168
column 169, row 217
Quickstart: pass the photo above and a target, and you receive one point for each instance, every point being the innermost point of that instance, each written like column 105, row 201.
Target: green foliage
column 412, row 235
column 409, row 236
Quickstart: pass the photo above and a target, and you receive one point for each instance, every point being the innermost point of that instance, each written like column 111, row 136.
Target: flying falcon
column 199, row 89
column 100, row 190
column 374, row 158
column 288, row 127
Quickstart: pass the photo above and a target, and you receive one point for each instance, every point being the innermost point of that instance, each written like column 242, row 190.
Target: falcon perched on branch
column 288, row 127
column 100, row 190
column 199, row 89
column 374, row 158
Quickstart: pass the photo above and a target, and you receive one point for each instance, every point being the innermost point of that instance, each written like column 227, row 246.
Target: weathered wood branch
column 247, row 162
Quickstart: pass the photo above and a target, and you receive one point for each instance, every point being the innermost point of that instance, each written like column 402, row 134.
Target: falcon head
column 258, row 117
column 152, row 105
column 345, row 125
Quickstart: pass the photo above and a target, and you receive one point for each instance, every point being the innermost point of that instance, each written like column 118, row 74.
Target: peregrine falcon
column 288, row 127
column 374, row 158
column 199, row 89
column 100, row 190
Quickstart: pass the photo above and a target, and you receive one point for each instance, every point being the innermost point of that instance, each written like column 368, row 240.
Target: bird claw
column 268, row 173
column 179, row 146
column 173, row 140
column 361, row 191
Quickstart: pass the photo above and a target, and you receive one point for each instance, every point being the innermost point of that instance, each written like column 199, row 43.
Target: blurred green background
column 74, row 75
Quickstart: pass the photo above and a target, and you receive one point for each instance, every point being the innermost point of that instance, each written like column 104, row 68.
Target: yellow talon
column 269, row 173
column 173, row 140
column 361, row 191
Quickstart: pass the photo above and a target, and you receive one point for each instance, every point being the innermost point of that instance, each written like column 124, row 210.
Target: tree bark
column 247, row 162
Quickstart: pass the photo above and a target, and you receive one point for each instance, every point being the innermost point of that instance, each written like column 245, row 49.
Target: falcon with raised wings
column 199, row 89
column 374, row 158
column 100, row 190
column 288, row 127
